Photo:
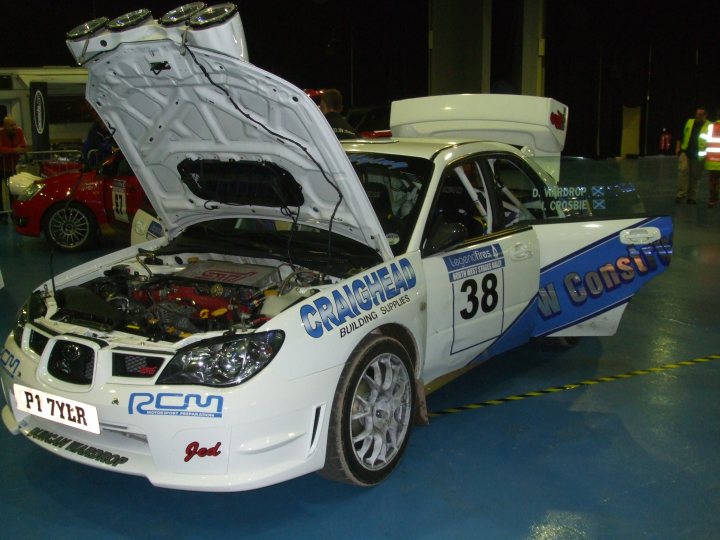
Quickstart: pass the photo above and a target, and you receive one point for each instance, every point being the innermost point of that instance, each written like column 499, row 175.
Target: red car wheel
column 70, row 227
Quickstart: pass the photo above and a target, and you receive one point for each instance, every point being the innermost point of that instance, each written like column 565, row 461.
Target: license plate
column 57, row 409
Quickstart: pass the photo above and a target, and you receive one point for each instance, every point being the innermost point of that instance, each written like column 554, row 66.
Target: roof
column 416, row 147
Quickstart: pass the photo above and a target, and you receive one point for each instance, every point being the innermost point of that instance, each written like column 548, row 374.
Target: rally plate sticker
column 57, row 409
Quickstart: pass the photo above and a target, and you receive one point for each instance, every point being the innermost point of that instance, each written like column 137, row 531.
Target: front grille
column 38, row 342
column 72, row 362
column 136, row 365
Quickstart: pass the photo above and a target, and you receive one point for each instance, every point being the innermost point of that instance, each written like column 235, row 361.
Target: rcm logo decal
column 172, row 404
column 39, row 112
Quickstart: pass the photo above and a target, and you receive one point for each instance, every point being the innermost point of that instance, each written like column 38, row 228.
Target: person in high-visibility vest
column 712, row 161
column 691, row 151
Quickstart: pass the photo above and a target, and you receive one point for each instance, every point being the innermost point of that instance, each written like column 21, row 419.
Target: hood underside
column 212, row 136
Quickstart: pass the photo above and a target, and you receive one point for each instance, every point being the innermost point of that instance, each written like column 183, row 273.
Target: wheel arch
column 400, row 334
column 405, row 337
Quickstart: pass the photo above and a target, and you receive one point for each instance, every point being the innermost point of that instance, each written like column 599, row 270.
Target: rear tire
column 70, row 227
column 372, row 414
column 560, row 342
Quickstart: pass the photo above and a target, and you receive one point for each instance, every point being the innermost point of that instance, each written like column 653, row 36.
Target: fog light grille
column 136, row 365
column 38, row 342
column 72, row 362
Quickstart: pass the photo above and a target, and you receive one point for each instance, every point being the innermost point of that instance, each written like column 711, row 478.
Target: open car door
column 505, row 262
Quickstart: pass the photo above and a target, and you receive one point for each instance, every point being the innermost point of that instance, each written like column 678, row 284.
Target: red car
column 72, row 209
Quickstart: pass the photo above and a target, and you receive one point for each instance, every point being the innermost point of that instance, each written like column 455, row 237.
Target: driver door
column 480, row 275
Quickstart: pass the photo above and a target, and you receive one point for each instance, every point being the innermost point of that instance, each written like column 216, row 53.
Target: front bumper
column 20, row 222
column 25, row 220
column 268, row 430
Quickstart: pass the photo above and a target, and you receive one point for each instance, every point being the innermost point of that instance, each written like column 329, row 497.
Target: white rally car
column 304, row 294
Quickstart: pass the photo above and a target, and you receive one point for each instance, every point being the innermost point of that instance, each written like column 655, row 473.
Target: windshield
column 395, row 186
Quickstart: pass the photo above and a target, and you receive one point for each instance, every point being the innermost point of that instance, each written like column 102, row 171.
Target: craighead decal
column 354, row 305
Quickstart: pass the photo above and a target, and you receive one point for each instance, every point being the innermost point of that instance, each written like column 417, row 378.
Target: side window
column 393, row 186
column 521, row 194
column 461, row 209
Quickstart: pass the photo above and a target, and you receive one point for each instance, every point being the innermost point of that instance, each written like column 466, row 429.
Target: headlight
column 224, row 361
column 33, row 308
column 32, row 190
column 21, row 319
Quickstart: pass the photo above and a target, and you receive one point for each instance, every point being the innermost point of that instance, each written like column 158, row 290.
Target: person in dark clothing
column 12, row 144
column 331, row 105
column 98, row 145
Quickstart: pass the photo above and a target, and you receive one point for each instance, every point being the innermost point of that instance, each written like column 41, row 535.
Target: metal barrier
column 39, row 163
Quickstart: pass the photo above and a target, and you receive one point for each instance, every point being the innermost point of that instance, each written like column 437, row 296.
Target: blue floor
column 634, row 458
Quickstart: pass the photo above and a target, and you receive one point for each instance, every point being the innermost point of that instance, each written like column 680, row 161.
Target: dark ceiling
column 600, row 56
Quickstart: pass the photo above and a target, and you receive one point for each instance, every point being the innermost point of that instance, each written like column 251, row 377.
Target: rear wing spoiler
column 537, row 125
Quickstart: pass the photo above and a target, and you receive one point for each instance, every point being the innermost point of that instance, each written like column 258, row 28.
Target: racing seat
column 455, row 205
column 380, row 200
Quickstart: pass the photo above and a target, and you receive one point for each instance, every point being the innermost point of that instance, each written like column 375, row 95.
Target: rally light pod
column 216, row 28
column 90, row 39
column 220, row 29
column 87, row 29
column 213, row 15
column 181, row 14
column 129, row 20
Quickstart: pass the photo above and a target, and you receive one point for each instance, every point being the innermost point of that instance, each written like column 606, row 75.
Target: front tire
column 70, row 227
column 372, row 414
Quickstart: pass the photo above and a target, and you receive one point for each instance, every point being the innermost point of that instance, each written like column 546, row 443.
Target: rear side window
column 522, row 193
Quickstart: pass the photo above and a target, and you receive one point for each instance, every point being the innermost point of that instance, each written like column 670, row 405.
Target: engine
column 203, row 296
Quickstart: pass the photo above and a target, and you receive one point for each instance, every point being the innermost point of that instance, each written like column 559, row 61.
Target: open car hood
column 209, row 135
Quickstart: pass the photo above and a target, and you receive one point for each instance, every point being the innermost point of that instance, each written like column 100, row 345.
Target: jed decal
column 174, row 404
column 84, row 450
column 357, row 299
column 10, row 362
column 194, row 449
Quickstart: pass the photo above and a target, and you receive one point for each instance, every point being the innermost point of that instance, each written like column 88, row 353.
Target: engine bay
column 170, row 302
